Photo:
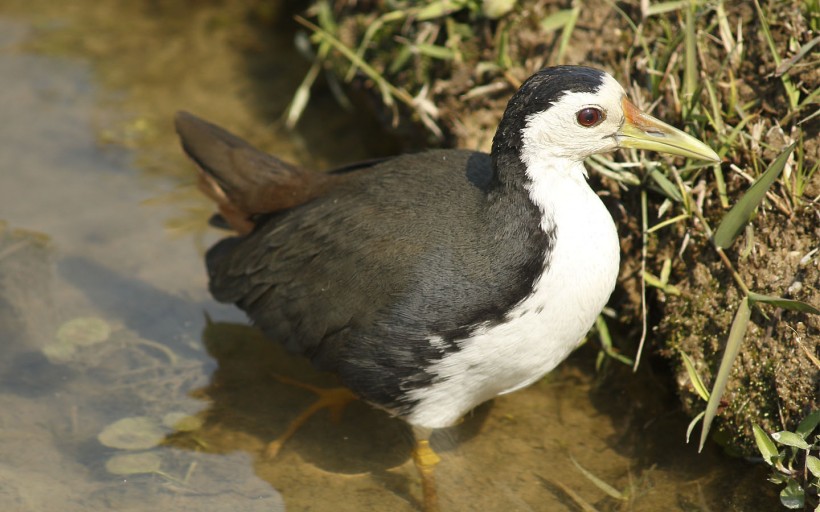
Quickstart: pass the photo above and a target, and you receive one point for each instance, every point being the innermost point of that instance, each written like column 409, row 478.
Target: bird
column 432, row 282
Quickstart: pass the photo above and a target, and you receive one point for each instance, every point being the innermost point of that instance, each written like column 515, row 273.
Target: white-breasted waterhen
column 432, row 282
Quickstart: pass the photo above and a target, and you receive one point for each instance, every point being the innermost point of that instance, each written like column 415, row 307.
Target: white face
column 558, row 132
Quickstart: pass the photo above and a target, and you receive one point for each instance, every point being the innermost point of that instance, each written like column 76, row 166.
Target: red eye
column 590, row 116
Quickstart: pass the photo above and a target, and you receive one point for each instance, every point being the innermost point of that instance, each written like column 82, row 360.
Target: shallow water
column 103, row 304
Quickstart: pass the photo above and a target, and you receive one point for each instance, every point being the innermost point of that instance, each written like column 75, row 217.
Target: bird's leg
column 426, row 459
column 334, row 399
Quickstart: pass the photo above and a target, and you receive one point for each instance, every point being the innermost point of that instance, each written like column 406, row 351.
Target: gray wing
column 360, row 279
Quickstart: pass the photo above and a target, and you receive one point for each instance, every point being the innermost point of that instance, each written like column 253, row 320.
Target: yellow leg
column 426, row 460
column 333, row 399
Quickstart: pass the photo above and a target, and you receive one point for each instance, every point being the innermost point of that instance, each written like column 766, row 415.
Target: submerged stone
column 134, row 433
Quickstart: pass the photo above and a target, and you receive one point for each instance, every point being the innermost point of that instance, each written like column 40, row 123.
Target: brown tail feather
column 243, row 181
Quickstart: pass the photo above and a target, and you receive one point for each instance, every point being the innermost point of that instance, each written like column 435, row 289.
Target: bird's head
column 572, row 112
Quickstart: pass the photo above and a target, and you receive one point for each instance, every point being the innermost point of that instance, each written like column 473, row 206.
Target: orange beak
column 642, row 131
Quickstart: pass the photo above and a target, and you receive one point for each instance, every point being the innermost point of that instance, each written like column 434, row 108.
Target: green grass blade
column 653, row 281
column 368, row 36
column 808, row 425
column 666, row 271
column 787, row 438
column 735, row 219
column 657, row 282
column 503, row 58
column 810, row 99
column 603, row 333
column 693, row 424
column 324, row 16
column 404, row 55
column 790, row 304
column 792, row 92
column 735, row 132
column 435, row 51
column 438, row 9
column 673, row 220
column 302, row 95
column 556, row 20
column 736, row 334
column 813, row 464
column 566, row 34
column 721, row 186
column 787, row 64
column 494, row 9
column 767, row 35
column 669, row 189
column 765, row 445
column 690, row 70
column 387, row 89
column 606, row 341
column 697, row 383
column 716, row 118
column 664, row 7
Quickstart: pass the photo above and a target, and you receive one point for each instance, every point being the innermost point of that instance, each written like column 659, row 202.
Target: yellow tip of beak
column 642, row 131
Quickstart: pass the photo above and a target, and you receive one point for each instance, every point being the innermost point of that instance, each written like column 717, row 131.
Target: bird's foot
column 426, row 460
column 332, row 399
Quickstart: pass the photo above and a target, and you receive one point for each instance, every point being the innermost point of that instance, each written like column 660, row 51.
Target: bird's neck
column 509, row 173
column 532, row 175
column 545, row 187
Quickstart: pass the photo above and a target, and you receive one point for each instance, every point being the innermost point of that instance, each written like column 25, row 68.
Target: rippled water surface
column 124, row 386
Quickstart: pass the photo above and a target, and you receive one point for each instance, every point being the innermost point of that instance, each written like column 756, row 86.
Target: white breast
column 548, row 324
